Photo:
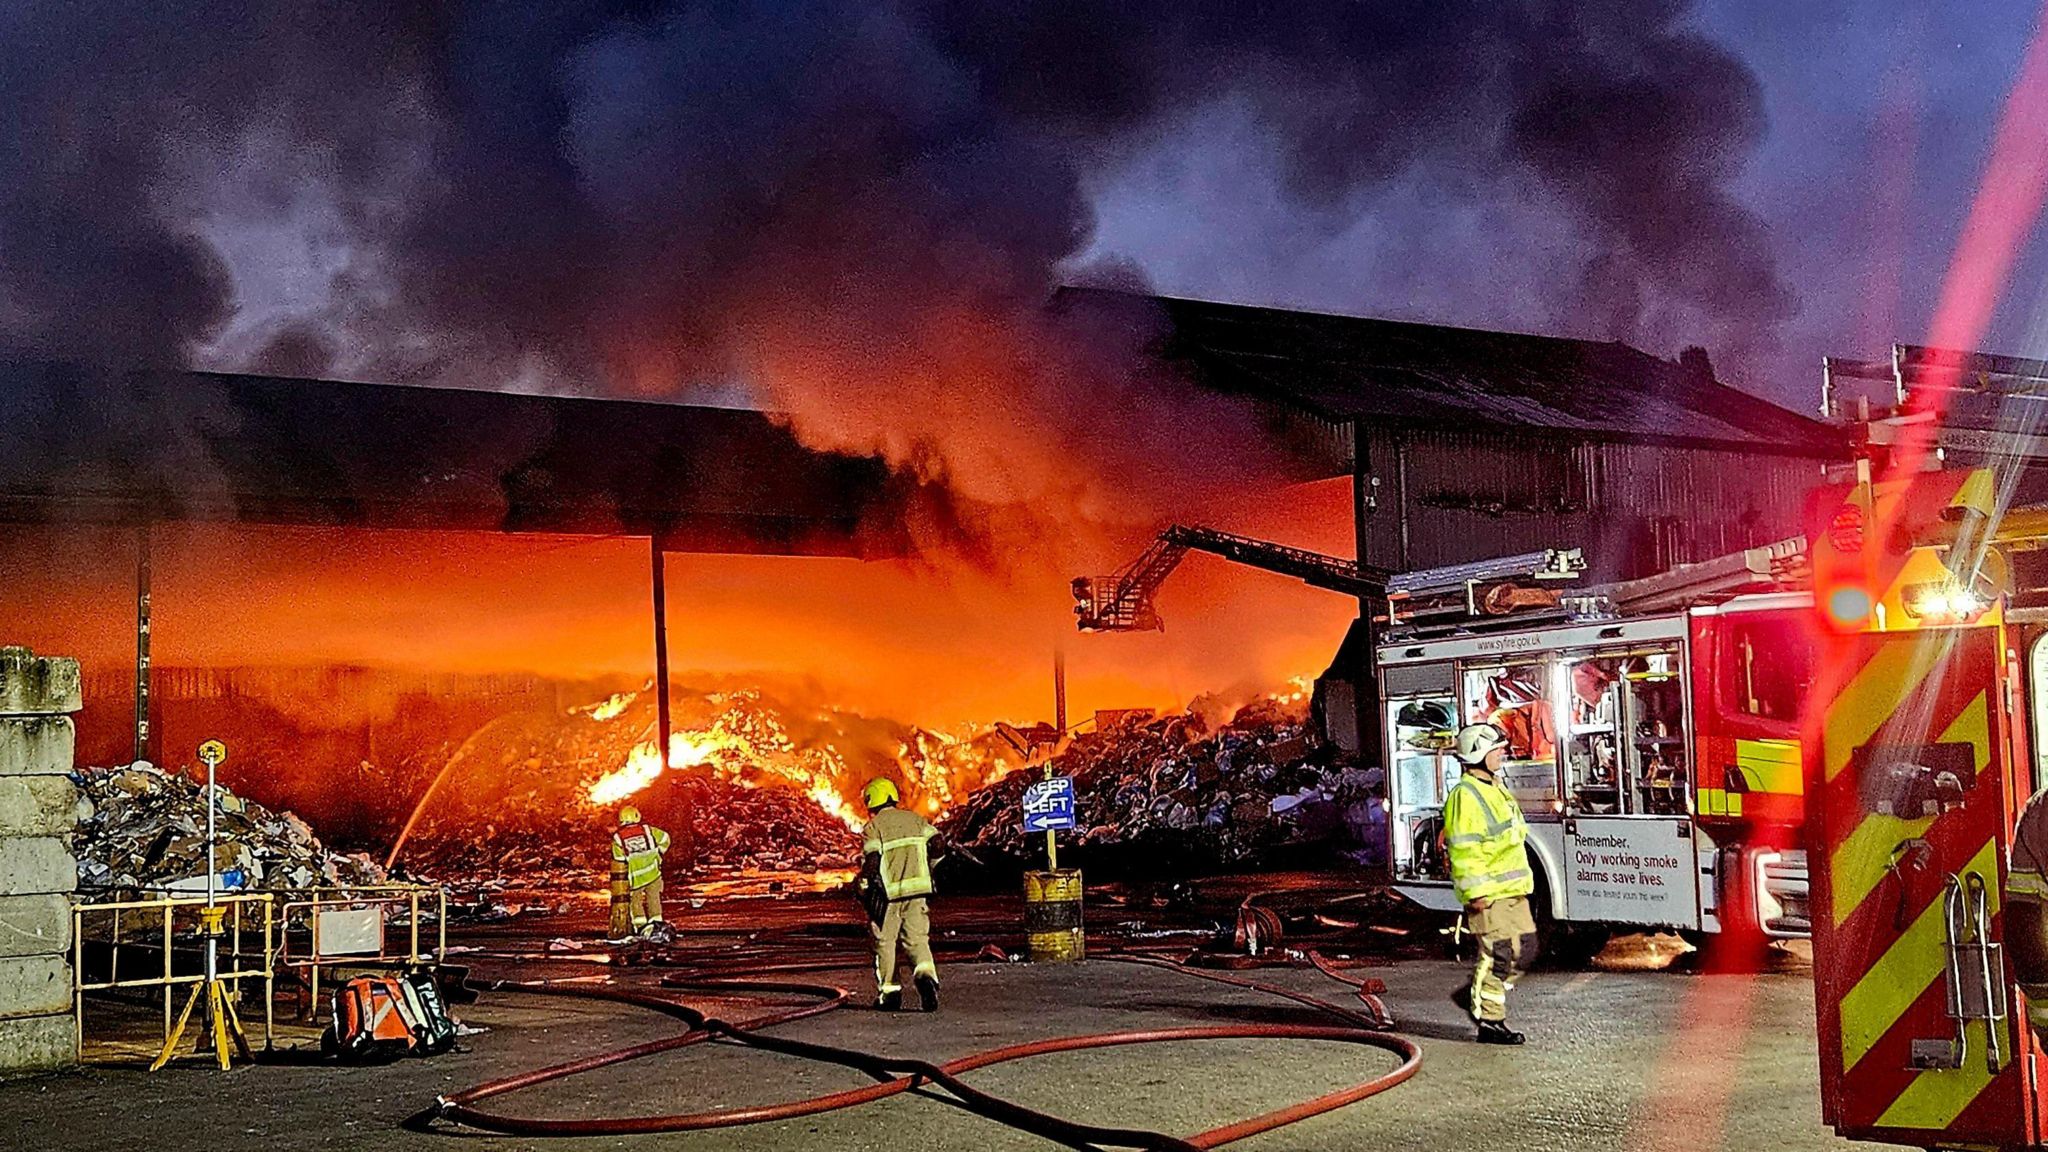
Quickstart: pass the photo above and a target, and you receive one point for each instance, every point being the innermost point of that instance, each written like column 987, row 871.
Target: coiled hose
column 897, row 1075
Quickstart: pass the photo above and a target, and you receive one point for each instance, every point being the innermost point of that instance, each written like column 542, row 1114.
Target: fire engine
column 1653, row 732
column 1921, row 761
column 1654, row 723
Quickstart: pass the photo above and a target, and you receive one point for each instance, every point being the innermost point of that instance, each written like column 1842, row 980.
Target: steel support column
column 1366, row 682
column 658, row 563
column 142, row 627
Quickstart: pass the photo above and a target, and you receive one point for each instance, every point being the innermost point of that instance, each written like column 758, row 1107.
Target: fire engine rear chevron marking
column 1874, row 695
column 1863, row 860
column 1905, row 971
column 1934, row 1099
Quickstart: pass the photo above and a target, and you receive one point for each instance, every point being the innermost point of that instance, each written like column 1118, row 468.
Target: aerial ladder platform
column 1123, row 600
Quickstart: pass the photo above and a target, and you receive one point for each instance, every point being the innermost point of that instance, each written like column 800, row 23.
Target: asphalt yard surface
column 1624, row 1056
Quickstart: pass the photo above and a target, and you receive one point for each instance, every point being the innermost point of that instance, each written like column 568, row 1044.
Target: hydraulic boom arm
column 1122, row 602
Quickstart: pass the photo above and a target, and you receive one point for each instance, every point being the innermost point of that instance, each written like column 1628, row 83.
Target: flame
column 638, row 772
column 746, row 745
column 1298, row 691
column 833, row 803
column 612, row 707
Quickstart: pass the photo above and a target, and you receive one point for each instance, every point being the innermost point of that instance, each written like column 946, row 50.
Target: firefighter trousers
column 645, row 903
column 1506, row 931
column 908, row 923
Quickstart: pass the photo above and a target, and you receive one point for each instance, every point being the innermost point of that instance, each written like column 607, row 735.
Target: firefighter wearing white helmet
column 1483, row 839
column 640, row 848
column 895, row 884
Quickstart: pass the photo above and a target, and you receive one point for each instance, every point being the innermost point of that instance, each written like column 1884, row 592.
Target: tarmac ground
column 1627, row 1055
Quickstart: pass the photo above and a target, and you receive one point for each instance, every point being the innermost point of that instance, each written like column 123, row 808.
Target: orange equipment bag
column 372, row 1021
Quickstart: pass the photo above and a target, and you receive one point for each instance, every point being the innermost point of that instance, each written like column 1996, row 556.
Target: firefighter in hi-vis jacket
column 896, row 879
column 1483, row 839
column 640, row 847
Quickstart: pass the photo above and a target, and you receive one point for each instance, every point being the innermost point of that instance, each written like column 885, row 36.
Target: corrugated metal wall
column 1446, row 498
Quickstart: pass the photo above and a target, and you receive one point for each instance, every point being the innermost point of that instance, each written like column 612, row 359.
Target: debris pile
column 725, row 825
column 141, row 827
column 1165, row 791
column 769, row 829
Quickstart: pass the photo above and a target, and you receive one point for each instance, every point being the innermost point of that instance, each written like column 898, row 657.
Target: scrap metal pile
column 1165, row 791
column 141, row 827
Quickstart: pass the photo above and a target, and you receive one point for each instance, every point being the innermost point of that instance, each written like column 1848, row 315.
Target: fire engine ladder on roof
column 1782, row 564
column 1456, row 588
column 1123, row 601
column 1914, row 367
column 1494, row 590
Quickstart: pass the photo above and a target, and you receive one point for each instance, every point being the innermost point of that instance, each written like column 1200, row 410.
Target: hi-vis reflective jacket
column 641, row 847
column 1483, row 835
column 901, row 839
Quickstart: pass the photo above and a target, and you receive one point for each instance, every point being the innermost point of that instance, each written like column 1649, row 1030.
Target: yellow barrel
column 622, row 909
column 1053, row 933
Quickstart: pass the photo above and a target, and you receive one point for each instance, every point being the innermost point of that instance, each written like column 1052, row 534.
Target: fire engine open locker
column 1653, row 746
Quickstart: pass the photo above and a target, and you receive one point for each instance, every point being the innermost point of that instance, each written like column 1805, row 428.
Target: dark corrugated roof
column 1388, row 372
column 82, row 443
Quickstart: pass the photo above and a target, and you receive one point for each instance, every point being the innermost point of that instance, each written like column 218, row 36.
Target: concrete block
column 34, row 986
column 31, row 865
column 36, row 745
column 38, row 1044
column 37, row 806
column 38, row 685
column 37, row 925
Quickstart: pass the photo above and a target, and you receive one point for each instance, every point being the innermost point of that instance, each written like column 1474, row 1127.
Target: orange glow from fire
column 941, row 647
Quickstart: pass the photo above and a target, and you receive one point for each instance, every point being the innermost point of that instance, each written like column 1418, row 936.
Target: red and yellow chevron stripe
column 1884, row 845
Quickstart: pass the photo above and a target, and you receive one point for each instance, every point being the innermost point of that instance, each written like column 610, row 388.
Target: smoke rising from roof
column 848, row 211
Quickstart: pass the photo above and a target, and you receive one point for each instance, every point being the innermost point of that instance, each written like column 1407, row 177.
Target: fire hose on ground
column 897, row 1075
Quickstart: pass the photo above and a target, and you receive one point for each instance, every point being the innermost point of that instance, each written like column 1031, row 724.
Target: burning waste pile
column 754, row 788
column 751, row 783
column 142, row 827
column 721, row 825
column 1168, row 791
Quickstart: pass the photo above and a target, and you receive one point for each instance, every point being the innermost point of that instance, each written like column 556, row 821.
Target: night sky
column 1880, row 117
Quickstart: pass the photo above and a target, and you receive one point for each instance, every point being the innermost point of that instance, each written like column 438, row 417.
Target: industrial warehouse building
column 1460, row 445
column 1466, row 445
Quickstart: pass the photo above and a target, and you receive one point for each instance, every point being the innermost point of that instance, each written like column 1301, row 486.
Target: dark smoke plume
column 849, row 211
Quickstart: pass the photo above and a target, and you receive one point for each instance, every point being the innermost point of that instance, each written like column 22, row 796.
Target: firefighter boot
column 889, row 1001
column 1498, row 1032
column 928, row 993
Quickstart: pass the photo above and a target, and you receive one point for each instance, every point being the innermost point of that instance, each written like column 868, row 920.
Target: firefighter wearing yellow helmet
column 640, row 848
column 1483, row 839
column 895, row 883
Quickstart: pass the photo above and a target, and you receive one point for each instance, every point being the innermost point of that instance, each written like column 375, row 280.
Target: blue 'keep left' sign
column 1049, row 805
